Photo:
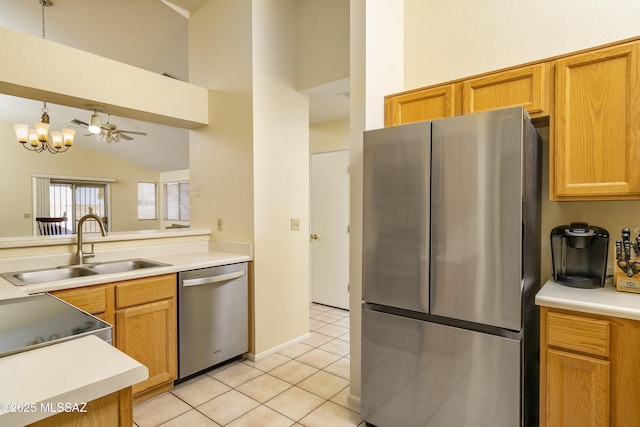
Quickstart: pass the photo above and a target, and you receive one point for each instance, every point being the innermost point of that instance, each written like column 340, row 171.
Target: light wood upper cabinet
column 423, row 104
column 595, row 152
column 528, row 86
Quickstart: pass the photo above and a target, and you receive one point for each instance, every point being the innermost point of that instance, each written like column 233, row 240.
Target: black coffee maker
column 579, row 255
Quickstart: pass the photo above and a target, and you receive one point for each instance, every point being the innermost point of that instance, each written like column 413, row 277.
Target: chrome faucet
column 81, row 256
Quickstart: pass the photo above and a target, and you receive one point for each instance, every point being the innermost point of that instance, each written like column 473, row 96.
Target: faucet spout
column 82, row 257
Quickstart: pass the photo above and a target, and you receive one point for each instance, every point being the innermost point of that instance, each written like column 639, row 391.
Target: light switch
column 295, row 224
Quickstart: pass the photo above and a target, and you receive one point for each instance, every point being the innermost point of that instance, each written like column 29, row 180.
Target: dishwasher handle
column 213, row 279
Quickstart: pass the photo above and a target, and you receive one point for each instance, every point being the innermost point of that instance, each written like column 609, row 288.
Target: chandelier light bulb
column 33, row 138
column 22, row 133
column 67, row 136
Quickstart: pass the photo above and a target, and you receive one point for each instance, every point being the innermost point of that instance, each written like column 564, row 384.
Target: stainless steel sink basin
column 22, row 278
column 125, row 265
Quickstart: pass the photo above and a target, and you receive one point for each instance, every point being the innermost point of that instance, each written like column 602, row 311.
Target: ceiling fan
column 105, row 132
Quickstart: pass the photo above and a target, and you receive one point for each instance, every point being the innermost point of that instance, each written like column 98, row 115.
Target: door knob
column 314, row 237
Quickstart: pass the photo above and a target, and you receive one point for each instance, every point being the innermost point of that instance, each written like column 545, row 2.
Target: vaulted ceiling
column 150, row 34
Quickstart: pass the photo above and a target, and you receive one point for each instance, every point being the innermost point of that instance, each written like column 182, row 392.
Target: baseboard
column 257, row 357
column 354, row 401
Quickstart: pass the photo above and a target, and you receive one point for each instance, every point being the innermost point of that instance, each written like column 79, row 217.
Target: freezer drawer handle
column 213, row 279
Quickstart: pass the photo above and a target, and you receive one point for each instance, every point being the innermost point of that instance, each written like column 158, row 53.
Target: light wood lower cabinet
column 578, row 390
column 111, row 410
column 143, row 315
column 147, row 333
column 589, row 370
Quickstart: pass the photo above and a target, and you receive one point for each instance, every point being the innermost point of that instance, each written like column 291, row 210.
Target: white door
column 330, row 228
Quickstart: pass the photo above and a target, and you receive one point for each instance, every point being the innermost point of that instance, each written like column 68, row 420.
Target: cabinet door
column 594, row 152
column 423, row 104
column 148, row 334
column 527, row 86
column 96, row 300
column 577, row 390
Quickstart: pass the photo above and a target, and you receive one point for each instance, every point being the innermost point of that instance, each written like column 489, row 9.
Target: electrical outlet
column 295, row 224
column 220, row 225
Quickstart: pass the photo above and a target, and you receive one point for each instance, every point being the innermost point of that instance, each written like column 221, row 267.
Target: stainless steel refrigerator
column 451, row 252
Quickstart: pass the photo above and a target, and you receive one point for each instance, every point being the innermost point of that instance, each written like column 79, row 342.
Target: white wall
column 157, row 44
column 252, row 160
column 329, row 136
column 323, row 53
column 445, row 40
column 20, row 164
column 384, row 55
column 281, row 178
column 221, row 154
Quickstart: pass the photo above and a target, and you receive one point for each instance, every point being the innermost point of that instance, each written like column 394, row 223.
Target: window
column 147, row 200
column 57, row 196
column 176, row 201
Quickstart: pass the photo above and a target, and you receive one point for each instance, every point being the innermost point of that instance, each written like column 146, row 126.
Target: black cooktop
column 38, row 320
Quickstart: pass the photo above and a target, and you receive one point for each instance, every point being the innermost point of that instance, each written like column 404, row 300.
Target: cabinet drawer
column 141, row 291
column 578, row 333
column 92, row 299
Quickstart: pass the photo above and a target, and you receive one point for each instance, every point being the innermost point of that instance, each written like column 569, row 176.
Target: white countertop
column 86, row 368
column 75, row 371
column 178, row 262
column 605, row 301
column 43, row 241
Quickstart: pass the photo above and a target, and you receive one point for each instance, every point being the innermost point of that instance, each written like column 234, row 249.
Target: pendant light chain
column 38, row 140
column 43, row 3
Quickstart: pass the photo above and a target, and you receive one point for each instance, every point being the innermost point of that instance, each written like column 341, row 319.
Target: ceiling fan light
column 95, row 123
column 67, row 136
column 22, row 133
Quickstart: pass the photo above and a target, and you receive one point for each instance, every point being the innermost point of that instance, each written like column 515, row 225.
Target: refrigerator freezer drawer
column 416, row 373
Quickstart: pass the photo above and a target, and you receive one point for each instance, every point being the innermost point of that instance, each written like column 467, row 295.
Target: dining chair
column 49, row 226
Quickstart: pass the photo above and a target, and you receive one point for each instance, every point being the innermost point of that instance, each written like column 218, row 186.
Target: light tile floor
column 306, row 384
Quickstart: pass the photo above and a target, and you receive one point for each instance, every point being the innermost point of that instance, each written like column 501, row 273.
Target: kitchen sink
column 22, row 278
column 30, row 277
column 125, row 265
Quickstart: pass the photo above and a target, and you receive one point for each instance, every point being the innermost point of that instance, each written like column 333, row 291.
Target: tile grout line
column 330, row 338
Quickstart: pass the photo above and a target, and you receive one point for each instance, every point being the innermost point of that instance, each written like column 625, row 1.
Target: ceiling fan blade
column 123, row 136
column 79, row 123
column 131, row 132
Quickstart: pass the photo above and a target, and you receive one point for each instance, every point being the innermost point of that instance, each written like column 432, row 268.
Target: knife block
column 625, row 283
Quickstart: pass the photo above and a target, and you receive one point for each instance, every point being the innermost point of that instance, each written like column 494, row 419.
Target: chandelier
column 38, row 139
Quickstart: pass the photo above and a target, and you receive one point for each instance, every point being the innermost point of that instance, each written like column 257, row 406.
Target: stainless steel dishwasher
column 213, row 324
